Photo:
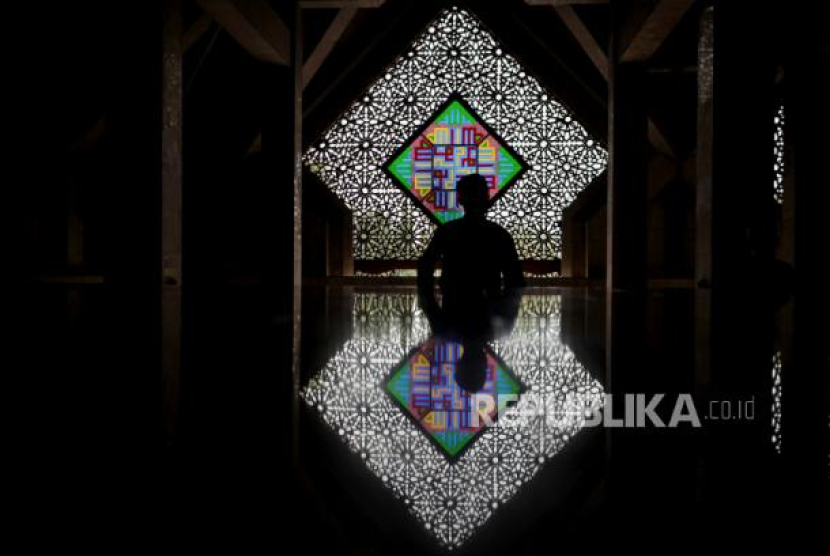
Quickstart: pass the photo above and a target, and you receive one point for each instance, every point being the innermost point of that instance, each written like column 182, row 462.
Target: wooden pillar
column 703, row 202
column 171, row 210
column 297, row 281
column 733, row 254
column 628, row 155
column 735, row 108
column 626, row 244
column 734, row 320
column 282, row 152
column 297, row 60
column 626, row 249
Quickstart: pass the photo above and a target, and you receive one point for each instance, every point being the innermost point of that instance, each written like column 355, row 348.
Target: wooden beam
column 658, row 25
column 597, row 55
column 337, row 4
column 584, row 37
column 324, row 47
column 348, row 9
column 196, row 31
column 297, row 194
column 170, row 265
column 254, row 25
column 557, row 3
column 658, row 140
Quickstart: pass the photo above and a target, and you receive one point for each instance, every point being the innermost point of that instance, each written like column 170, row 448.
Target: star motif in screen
column 455, row 142
column 455, row 58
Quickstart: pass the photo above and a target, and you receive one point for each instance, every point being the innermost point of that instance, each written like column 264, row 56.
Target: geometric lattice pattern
column 451, row 498
column 424, row 386
column 455, row 57
column 776, row 402
column 454, row 143
column 779, row 155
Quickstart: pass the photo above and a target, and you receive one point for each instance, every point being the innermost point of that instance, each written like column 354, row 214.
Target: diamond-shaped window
column 455, row 64
column 455, row 142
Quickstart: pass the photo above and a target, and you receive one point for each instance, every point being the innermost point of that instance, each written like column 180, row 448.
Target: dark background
column 84, row 368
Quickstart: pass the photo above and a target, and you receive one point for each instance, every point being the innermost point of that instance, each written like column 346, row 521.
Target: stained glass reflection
column 452, row 497
column 428, row 386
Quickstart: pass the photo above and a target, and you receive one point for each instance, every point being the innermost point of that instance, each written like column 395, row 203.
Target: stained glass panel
column 455, row 143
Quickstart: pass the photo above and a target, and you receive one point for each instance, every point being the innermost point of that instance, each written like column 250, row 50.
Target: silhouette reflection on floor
column 451, row 497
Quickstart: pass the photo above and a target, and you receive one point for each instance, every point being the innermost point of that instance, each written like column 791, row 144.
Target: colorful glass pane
column 453, row 144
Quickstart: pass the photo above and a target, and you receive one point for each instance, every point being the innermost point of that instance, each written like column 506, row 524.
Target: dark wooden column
column 297, row 263
column 626, row 250
column 626, row 245
column 734, row 198
column 171, row 210
column 626, row 207
column 628, row 155
column 703, row 201
column 734, row 252
column 282, row 156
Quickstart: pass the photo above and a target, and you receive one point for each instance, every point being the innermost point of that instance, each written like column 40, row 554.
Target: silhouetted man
column 475, row 255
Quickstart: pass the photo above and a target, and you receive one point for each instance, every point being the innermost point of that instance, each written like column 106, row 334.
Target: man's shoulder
column 496, row 228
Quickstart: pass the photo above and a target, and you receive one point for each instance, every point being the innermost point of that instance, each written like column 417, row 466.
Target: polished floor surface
column 374, row 421
column 364, row 393
column 361, row 442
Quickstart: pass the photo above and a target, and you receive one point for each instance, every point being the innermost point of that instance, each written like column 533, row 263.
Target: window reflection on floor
column 776, row 402
column 451, row 497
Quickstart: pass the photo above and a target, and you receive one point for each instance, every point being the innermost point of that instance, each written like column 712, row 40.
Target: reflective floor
column 385, row 436
column 369, row 389
column 367, row 443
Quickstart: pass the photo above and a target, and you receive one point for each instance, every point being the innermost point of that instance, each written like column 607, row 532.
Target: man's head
column 473, row 194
